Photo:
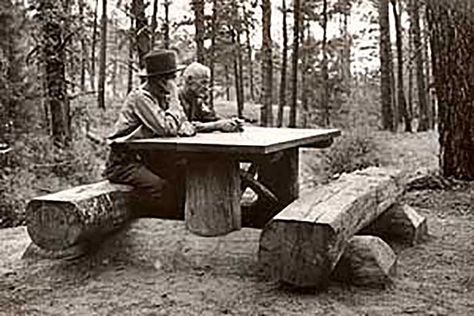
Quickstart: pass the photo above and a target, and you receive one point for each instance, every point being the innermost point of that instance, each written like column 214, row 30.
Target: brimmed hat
column 160, row 62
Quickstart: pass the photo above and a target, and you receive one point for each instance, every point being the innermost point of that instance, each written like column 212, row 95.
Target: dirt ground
column 157, row 268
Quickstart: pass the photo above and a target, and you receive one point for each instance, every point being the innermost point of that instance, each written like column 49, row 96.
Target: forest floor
column 156, row 267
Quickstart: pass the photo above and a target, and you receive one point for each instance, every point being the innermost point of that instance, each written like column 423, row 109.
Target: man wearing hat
column 151, row 110
column 194, row 96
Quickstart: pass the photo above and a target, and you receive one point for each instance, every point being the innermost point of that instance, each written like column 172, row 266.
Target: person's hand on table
column 187, row 129
column 231, row 125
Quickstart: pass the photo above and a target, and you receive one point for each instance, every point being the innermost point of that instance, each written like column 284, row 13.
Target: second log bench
column 302, row 244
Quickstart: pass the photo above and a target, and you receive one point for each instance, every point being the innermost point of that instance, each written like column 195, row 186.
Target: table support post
column 212, row 204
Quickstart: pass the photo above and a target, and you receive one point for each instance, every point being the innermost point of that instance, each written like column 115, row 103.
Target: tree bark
column 54, row 54
column 94, row 40
column 304, row 69
column 424, row 123
column 346, row 55
column 130, row 56
column 103, row 57
column 198, row 7
column 324, row 68
column 237, row 74
column 212, row 63
column 166, row 24
column 386, row 68
column 153, row 24
column 250, row 65
column 82, row 80
column 267, row 68
column 142, row 39
column 284, row 66
column 451, row 40
column 294, row 74
column 400, row 87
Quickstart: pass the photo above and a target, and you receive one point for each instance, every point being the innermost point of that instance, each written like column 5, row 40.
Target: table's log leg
column 278, row 173
column 212, row 204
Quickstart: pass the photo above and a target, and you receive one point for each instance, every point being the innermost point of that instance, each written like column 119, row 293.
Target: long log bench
column 303, row 243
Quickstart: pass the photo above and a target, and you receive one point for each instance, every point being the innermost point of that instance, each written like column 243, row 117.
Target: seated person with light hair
column 194, row 96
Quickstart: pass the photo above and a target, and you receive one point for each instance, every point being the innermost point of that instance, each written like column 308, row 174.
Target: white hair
column 196, row 71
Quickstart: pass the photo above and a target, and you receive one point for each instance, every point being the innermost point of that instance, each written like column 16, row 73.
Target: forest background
column 358, row 65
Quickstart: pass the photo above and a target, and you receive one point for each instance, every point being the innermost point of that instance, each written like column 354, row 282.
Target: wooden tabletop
column 253, row 140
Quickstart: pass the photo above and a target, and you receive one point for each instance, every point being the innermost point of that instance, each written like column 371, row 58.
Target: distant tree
column 103, row 56
column 250, row 64
column 294, row 63
column 131, row 46
column 451, row 39
column 386, row 68
column 324, row 66
column 142, row 33
column 267, row 69
column 284, row 65
column 52, row 44
column 94, row 41
column 198, row 8
column 166, row 24
column 424, row 123
column 153, row 24
column 212, row 63
column 400, row 87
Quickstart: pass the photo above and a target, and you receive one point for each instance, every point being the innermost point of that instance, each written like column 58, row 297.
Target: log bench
column 302, row 244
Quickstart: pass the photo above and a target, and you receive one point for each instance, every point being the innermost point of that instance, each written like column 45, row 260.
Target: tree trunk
column 198, row 7
column 94, row 40
column 424, row 123
column 346, row 55
column 324, row 68
column 452, row 38
column 284, row 66
column 267, row 70
column 153, row 24
column 142, row 40
column 227, row 84
column 294, row 74
column 237, row 80
column 400, row 88
column 250, row 65
column 103, row 56
column 212, row 65
column 54, row 53
column 82, row 82
column 166, row 24
column 426, row 58
column 130, row 56
column 410, row 66
column 304, row 69
column 386, row 68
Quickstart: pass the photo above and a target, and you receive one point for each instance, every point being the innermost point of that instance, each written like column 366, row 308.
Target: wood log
column 399, row 223
column 302, row 244
column 366, row 261
column 61, row 220
column 212, row 206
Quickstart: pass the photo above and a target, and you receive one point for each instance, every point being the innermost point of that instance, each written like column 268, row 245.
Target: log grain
column 64, row 219
column 303, row 243
column 212, row 206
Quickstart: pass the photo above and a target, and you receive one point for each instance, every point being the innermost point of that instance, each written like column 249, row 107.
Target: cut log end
column 53, row 226
column 366, row 261
column 292, row 252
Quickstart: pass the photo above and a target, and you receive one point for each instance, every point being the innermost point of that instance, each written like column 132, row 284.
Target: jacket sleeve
column 161, row 122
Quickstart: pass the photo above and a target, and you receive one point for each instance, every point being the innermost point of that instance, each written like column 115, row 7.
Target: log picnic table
column 330, row 229
column 213, row 177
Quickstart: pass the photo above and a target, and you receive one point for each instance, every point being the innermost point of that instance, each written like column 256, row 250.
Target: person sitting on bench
column 151, row 110
column 194, row 96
